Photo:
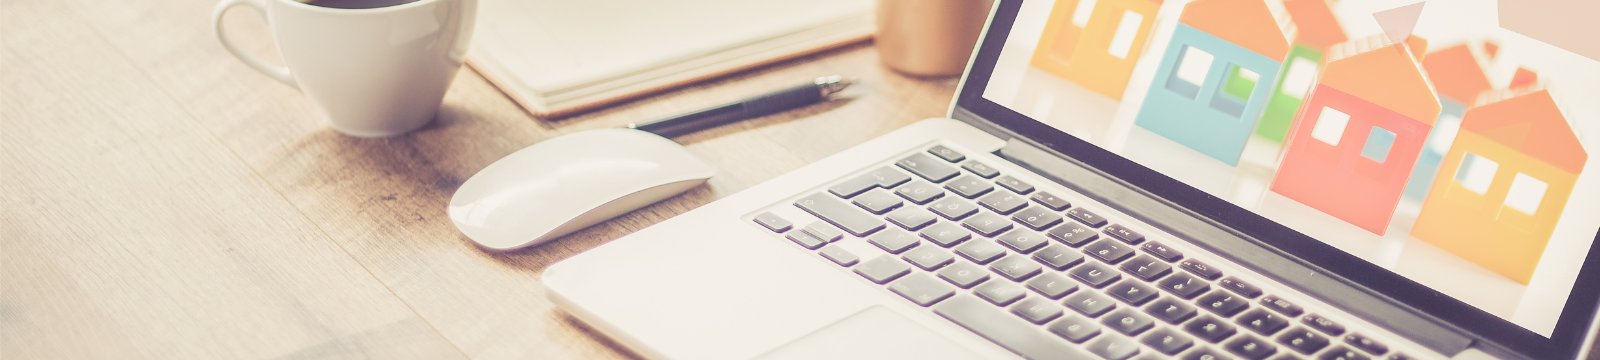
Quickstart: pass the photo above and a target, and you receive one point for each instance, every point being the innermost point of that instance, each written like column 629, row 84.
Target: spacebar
column 1009, row 331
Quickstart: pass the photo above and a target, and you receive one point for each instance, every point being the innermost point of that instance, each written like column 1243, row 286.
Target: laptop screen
column 1423, row 138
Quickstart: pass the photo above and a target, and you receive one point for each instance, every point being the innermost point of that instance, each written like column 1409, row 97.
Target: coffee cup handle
column 276, row 72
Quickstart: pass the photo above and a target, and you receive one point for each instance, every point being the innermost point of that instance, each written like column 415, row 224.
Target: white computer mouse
column 561, row 185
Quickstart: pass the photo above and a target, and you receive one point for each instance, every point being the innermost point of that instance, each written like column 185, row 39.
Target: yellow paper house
column 1095, row 42
column 1504, row 183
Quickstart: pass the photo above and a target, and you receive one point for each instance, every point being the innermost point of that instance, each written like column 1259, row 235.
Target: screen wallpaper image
column 1419, row 136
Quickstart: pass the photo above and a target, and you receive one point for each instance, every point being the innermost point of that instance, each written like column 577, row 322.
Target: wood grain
column 162, row 200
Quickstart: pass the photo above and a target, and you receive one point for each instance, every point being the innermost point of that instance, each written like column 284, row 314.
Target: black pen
column 758, row 106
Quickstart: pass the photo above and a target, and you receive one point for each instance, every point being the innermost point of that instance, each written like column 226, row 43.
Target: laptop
column 1131, row 179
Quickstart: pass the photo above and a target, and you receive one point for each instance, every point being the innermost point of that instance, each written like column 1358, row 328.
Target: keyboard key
column 1343, row 353
column 1022, row 240
column 837, row 212
column 1223, row 303
column 773, row 222
column 1003, row 202
column 1058, row 257
column 928, row 257
column 823, row 231
column 1323, row 324
column 1009, row 332
column 806, row 240
column 1172, row 311
column 1000, row 293
column 1052, row 285
column 1086, row 217
column 922, row 289
column 1109, row 251
column 1036, row 310
column 1184, row 285
column 1162, row 251
column 1210, row 329
column 1200, row 268
column 979, row 168
column 1251, row 348
column 946, row 234
column 911, row 218
column 1090, row 303
column 1051, row 201
column 1132, row 292
column 963, row 274
column 1168, row 341
column 1075, row 328
column 927, row 167
column 894, row 241
column 1263, row 322
column 1240, row 287
column 980, row 251
column 1206, row 354
column 1366, row 344
column 1114, row 348
column 953, row 208
column 946, row 154
column 1147, row 268
column 989, row 224
column 1281, row 306
column 1016, row 268
column 1122, row 233
column 1011, row 183
column 882, row 269
column 1037, row 218
column 1073, row 234
column 1128, row 321
column 878, row 201
column 1095, row 274
column 969, row 186
column 839, row 255
column 920, row 192
column 1303, row 340
column 884, row 177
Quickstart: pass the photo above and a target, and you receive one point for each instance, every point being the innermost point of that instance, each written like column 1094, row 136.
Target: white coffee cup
column 374, row 72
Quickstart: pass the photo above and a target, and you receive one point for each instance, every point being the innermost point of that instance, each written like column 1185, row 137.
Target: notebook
column 558, row 57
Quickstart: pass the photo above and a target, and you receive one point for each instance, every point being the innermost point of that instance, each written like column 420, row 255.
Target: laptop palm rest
column 874, row 333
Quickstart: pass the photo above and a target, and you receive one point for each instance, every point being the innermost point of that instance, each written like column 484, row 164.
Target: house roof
column 1456, row 73
column 1314, row 23
column 1247, row 23
column 1529, row 121
column 1383, row 73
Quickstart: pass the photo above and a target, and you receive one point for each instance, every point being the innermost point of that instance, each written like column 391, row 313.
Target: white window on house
column 1526, row 193
column 1378, row 143
column 1330, row 126
column 1080, row 15
column 1190, row 72
column 1476, row 173
column 1122, row 40
column 1297, row 81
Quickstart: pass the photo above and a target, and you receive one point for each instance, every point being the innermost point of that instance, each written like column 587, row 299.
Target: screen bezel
column 1566, row 341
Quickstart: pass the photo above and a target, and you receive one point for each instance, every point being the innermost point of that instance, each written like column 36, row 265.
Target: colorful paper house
column 1504, row 184
column 1364, row 123
column 1459, row 79
column 1317, row 29
column 1095, row 43
column 1215, row 76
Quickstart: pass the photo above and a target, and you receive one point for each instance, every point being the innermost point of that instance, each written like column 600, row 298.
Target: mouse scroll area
column 570, row 182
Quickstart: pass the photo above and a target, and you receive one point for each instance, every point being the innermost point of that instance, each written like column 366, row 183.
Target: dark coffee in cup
column 357, row 4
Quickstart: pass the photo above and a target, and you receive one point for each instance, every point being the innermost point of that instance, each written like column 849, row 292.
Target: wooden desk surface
column 162, row 200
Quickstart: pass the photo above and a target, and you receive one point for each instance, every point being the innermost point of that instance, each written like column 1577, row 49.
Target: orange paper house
column 1095, row 43
column 1362, row 128
column 1504, row 184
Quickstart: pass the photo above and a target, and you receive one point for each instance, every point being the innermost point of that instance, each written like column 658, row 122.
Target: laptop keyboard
column 1005, row 260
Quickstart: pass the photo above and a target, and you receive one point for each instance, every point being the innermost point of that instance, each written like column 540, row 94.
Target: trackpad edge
column 874, row 333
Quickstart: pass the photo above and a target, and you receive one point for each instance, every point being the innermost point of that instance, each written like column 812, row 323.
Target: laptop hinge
column 1235, row 246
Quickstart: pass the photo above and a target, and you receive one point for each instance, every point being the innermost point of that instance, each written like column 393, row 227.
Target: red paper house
column 1359, row 133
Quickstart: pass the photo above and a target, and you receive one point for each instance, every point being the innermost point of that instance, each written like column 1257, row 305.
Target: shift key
column 840, row 214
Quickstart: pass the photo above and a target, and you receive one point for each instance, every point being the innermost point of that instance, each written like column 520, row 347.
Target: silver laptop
column 1130, row 179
